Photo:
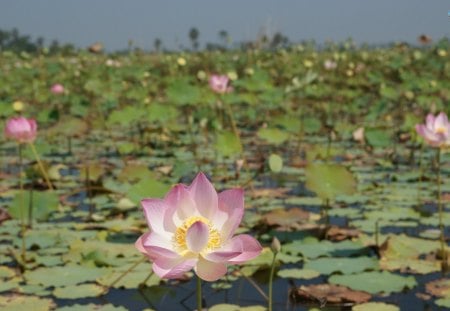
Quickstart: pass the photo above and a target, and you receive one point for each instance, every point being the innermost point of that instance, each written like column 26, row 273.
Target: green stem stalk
column 137, row 263
column 22, row 204
column 272, row 272
column 41, row 167
column 199, row 294
column 441, row 223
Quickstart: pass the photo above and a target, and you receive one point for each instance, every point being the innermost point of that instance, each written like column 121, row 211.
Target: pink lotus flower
column 436, row 130
column 192, row 228
column 220, row 84
column 57, row 89
column 21, row 129
column 329, row 64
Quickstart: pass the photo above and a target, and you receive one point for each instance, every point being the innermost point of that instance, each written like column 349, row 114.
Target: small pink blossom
column 220, row 84
column 21, row 129
column 57, row 89
column 436, row 130
column 192, row 228
column 329, row 64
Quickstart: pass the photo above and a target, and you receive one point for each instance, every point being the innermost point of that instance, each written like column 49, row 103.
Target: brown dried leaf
column 291, row 218
column 269, row 192
column 439, row 288
column 328, row 294
column 4, row 215
column 335, row 233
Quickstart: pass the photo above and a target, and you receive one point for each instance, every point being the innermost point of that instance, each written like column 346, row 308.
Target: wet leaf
column 329, row 180
column 298, row 273
column 63, row 276
column 328, row 266
column 227, row 144
column 275, row 163
column 439, row 288
column 273, row 135
column 375, row 282
column 78, row 291
column 20, row 303
column 375, row 306
column 43, row 204
column 327, row 294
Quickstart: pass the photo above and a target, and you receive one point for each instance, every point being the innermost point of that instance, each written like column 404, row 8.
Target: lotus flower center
column 441, row 130
column 180, row 234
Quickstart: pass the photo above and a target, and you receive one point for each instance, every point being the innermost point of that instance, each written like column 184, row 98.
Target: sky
column 115, row 22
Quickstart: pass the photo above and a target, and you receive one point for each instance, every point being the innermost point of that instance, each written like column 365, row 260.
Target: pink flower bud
column 21, row 129
column 57, row 89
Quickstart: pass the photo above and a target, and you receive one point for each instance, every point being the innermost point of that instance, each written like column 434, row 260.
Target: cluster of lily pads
column 345, row 193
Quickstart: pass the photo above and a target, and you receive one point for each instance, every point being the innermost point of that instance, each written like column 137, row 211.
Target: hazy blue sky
column 114, row 22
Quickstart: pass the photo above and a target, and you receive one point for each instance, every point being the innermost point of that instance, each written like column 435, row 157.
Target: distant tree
column 279, row 40
column 224, row 38
column 193, row 36
column 157, row 44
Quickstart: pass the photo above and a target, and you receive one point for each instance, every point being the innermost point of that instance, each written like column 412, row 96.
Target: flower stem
column 137, row 263
column 199, row 294
column 22, row 205
column 272, row 271
column 441, row 224
column 41, row 167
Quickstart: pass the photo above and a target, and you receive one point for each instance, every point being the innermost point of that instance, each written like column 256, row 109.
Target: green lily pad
column 312, row 248
column 20, row 303
column 329, row 180
column 273, row 135
column 230, row 307
column 344, row 265
column 43, row 204
column 294, row 273
column 443, row 302
column 275, row 163
column 227, row 144
column 78, row 291
column 91, row 306
column 63, row 276
column 6, row 273
column 375, row 306
column 375, row 282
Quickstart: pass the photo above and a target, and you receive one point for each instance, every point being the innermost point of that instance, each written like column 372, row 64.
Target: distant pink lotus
column 329, row 64
column 436, row 130
column 57, row 89
column 21, row 129
column 220, row 84
column 192, row 228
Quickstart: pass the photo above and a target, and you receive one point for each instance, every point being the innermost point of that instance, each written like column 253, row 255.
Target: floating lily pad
column 327, row 266
column 78, row 291
column 375, row 282
column 275, row 163
column 375, row 306
column 91, row 306
column 298, row 273
column 20, row 303
column 43, row 204
column 230, row 307
column 63, row 276
column 329, row 180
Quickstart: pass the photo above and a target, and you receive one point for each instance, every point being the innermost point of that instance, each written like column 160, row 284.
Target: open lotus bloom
column 219, row 84
column 21, row 129
column 192, row 228
column 57, row 88
column 436, row 130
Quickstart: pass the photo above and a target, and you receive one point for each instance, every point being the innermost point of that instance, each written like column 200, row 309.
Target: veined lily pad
column 327, row 266
column 375, row 282
column 78, row 291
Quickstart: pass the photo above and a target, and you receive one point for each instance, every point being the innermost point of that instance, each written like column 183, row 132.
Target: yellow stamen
column 441, row 130
column 180, row 235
